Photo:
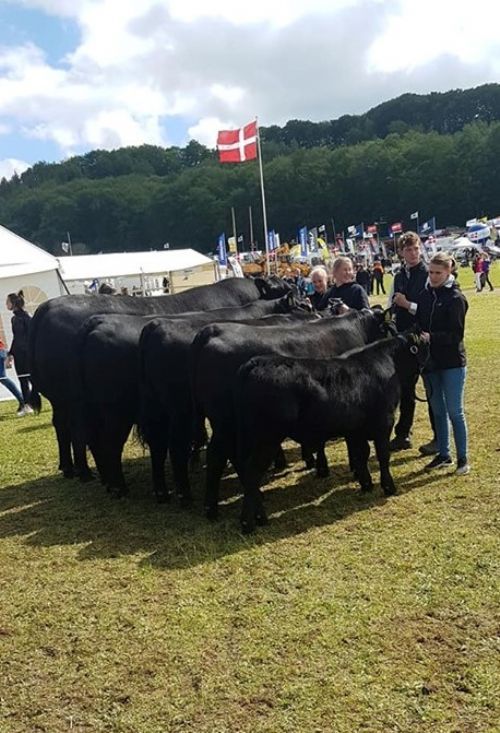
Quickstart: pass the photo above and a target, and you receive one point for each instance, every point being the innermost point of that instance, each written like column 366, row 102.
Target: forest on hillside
column 433, row 153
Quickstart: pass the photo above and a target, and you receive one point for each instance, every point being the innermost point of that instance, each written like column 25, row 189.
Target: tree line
column 142, row 197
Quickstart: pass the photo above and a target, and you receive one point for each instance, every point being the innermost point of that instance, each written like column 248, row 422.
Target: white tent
column 23, row 266
column 144, row 271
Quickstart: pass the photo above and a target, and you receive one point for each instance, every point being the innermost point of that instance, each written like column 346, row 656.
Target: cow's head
column 272, row 287
column 380, row 323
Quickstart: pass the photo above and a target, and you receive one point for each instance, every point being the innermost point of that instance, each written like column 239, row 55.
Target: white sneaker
column 28, row 410
column 462, row 469
column 21, row 412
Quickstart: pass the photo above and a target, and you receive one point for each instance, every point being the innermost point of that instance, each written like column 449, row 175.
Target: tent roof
column 20, row 257
column 121, row 264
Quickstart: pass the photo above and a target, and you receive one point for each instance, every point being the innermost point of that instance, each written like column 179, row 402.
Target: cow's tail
column 147, row 401
column 199, row 342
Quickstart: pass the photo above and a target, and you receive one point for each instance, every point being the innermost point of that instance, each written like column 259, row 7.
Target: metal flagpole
column 233, row 218
column 264, row 213
column 69, row 243
column 251, row 227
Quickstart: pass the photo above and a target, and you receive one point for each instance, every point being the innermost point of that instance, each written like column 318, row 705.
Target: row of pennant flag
column 242, row 145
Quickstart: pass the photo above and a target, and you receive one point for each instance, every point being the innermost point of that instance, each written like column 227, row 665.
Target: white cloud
column 9, row 166
column 140, row 65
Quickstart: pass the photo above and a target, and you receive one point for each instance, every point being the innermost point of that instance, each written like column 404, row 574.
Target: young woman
column 8, row 383
column 350, row 292
column 441, row 316
column 20, row 323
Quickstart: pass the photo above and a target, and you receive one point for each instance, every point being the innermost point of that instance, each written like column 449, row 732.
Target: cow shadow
column 53, row 511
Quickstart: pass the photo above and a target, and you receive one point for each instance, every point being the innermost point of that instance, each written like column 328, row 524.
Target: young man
column 407, row 286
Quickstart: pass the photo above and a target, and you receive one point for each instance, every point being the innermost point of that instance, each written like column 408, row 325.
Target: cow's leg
column 383, row 456
column 280, row 459
column 61, row 423
column 200, row 439
column 308, row 456
column 217, row 458
column 180, row 447
column 157, row 440
column 256, row 464
column 360, row 452
column 322, row 470
column 115, row 434
column 79, row 443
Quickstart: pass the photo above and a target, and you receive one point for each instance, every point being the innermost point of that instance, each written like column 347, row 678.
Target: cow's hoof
column 86, row 477
column 389, row 490
column 163, row 498
column 261, row 519
column 323, row 472
column 185, row 500
column 68, row 473
column 247, row 527
column 212, row 512
column 366, row 488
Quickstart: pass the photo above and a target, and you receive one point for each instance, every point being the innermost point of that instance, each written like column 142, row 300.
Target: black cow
column 219, row 350
column 107, row 353
column 56, row 322
column 352, row 396
column 166, row 421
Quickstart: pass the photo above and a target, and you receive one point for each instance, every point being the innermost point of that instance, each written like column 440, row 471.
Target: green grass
column 347, row 613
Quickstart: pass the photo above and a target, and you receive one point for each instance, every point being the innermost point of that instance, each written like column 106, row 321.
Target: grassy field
column 347, row 613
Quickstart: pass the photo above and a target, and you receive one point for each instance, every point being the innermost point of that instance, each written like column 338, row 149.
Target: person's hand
column 401, row 300
column 425, row 337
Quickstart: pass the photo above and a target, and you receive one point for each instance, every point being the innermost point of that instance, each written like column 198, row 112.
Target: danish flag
column 238, row 146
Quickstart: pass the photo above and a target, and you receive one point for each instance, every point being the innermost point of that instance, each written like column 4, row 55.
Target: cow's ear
column 387, row 315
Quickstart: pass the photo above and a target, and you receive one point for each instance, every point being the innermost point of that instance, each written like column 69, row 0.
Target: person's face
column 344, row 274
column 319, row 282
column 438, row 274
column 411, row 254
column 8, row 304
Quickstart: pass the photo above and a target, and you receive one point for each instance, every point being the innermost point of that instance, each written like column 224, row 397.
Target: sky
column 76, row 75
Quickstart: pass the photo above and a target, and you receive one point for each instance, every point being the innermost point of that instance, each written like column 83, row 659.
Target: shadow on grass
column 53, row 511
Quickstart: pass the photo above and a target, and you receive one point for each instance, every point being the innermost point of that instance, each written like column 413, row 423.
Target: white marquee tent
column 185, row 268
column 23, row 266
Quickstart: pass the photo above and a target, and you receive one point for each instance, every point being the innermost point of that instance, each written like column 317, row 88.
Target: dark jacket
column 409, row 281
column 441, row 312
column 20, row 323
column 352, row 294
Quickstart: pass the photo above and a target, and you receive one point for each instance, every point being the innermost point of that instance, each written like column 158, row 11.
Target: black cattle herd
column 249, row 356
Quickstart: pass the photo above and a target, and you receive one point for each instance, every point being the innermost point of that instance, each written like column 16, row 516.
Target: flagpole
column 251, row 228
column 69, row 243
column 233, row 218
column 264, row 213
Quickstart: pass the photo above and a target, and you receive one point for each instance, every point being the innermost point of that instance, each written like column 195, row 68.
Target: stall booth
column 138, row 273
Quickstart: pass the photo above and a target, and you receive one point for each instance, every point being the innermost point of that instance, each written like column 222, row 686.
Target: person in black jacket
column 441, row 316
column 345, row 288
column 408, row 283
column 18, row 351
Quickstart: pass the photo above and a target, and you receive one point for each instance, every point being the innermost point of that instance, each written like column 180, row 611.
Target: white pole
column 264, row 213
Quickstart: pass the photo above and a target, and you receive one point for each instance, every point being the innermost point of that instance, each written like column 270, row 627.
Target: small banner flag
column 221, row 249
column 414, row 215
column 396, row 227
column 428, row 227
column 313, row 239
column 65, row 246
column 352, row 230
column 232, row 245
column 238, row 146
column 372, row 229
column 271, row 240
column 360, row 230
column 303, row 241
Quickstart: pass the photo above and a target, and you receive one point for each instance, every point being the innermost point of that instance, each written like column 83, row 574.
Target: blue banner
column 428, row 227
column 360, row 230
column 271, row 242
column 303, row 241
column 221, row 249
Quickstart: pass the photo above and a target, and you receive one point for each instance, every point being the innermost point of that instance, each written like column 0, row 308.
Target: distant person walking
column 485, row 280
column 18, row 351
column 378, row 276
column 477, row 267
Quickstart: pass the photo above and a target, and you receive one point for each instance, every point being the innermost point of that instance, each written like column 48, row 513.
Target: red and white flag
column 238, row 146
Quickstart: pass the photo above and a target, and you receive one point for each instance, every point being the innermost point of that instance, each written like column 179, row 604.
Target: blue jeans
column 9, row 384
column 445, row 392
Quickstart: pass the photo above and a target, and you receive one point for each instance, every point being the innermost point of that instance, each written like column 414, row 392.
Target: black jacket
column 352, row 294
column 409, row 281
column 20, row 323
column 441, row 312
